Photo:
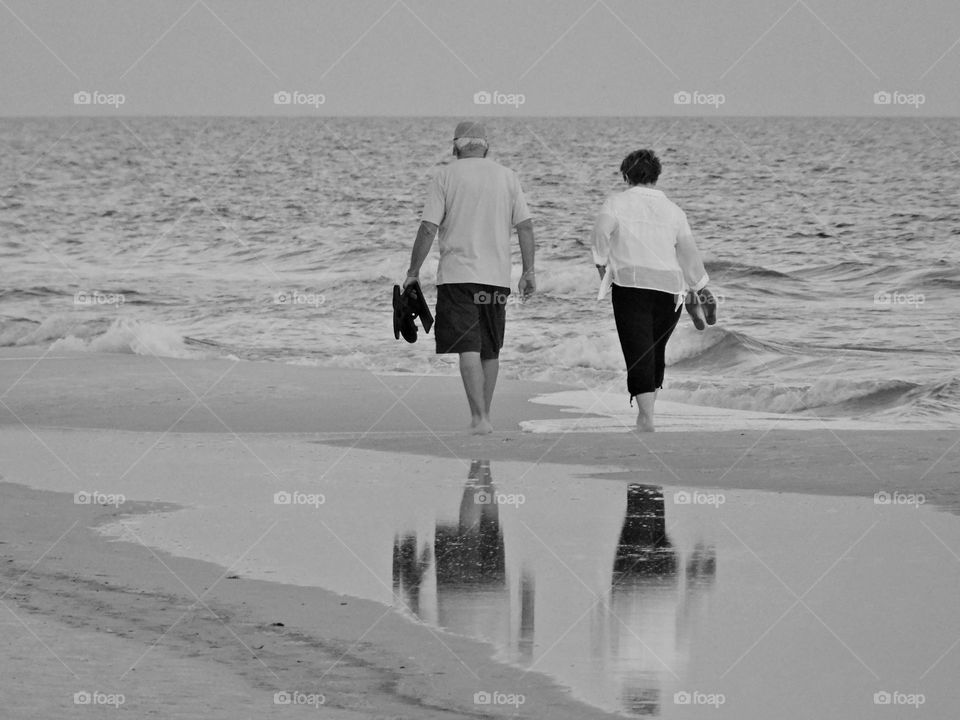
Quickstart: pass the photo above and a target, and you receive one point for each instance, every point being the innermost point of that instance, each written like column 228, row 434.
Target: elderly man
column 474, row 203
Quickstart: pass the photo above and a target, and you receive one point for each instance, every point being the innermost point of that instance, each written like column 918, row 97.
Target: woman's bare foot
column 481, row 427
column 645, row 403
column 644, row 424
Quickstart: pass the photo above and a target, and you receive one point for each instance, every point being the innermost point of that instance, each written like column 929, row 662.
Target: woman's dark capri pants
column 645, row 320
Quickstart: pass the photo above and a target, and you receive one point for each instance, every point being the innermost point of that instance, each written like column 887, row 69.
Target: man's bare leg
column 645, row 402
column 491, row 368
column 471, row 372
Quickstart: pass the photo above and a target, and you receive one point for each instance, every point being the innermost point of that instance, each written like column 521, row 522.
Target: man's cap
column 470, row 129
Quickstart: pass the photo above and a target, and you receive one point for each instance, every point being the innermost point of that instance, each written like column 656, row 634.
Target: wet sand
column 98, row 422
column 184, row 638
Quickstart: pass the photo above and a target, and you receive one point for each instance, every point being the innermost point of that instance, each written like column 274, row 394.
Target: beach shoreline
column 426, row 415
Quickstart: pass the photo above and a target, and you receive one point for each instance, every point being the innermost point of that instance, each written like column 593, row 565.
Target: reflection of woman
column 643, row 248
column 644, row 549
column 643, row 601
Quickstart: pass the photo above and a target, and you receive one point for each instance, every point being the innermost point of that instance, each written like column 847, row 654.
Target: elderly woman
column 643, row 248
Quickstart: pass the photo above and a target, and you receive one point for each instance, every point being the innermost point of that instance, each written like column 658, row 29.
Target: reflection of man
column 472, row 593
column 471, row 553
column 474, row 203
column 409, row 566
column 458, row 579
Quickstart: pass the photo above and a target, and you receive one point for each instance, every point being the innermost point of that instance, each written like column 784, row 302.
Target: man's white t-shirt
column 476, row 203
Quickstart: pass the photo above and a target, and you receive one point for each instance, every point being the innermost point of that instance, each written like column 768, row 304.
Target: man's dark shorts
column 471, row 318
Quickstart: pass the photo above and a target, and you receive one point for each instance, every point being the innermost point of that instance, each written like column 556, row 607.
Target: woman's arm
column 603, row 229
column 688, row 255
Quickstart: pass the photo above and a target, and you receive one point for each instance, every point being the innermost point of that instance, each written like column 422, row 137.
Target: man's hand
column 527, row 285
column 409, row 281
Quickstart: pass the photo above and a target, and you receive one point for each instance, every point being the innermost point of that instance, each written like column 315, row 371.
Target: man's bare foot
column 481, row 427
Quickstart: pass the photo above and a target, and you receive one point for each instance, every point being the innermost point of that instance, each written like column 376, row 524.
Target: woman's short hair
column 641, row 167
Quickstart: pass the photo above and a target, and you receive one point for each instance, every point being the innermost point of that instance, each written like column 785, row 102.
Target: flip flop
column 695, row 310
column 397, row 305
column 709, row 304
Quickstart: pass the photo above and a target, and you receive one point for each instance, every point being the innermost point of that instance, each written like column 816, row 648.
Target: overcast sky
column 432, row 57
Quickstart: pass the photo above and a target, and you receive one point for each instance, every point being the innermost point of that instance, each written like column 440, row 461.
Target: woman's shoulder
column 619, row 197
column 673, row 206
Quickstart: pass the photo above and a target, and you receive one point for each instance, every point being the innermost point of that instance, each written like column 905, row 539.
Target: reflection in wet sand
column 467, row 579
column 616, row 593
column 646, row 619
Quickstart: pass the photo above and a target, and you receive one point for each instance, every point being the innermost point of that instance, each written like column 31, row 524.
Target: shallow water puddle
column 643, row 600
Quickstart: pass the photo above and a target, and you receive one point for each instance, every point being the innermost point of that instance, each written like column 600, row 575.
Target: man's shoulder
column 442, row 171
column 485, row 168
column 480, row 164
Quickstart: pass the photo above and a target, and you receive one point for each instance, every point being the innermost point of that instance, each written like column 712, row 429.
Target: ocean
column 830, row 243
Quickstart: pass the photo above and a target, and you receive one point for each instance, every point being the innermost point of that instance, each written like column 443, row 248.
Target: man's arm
column 421, row 248
column 528, row 284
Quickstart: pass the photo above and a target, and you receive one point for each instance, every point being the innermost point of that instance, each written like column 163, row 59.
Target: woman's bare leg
column 645, row 402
